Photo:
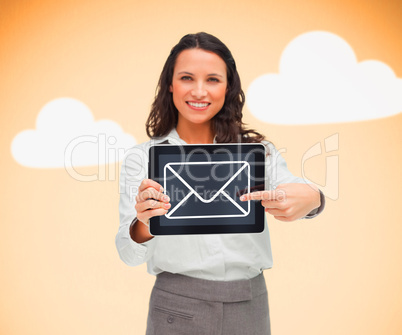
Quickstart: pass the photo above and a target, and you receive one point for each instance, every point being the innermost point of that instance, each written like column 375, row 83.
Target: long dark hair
column 227, row 124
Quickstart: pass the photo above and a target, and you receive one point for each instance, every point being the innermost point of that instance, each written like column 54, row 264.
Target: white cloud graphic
column 320, row 81
column 66, row 135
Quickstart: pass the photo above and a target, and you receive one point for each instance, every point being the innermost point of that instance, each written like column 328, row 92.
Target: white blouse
column 222, row 257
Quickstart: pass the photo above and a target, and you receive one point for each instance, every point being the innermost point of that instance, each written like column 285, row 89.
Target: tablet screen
column 204, row 184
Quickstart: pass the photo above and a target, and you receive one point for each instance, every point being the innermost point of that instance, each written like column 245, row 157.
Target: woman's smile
column 201, row 106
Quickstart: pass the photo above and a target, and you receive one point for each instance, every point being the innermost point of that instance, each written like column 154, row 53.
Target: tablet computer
column 204, row 184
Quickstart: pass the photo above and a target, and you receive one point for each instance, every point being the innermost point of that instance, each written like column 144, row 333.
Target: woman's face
column 198, row 86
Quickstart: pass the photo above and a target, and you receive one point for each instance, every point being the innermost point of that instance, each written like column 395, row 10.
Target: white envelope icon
column 232, row 208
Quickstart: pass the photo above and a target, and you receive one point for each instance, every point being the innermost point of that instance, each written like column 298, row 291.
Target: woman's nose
column 199, row 91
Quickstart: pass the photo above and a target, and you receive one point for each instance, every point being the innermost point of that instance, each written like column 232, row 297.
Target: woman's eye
column 186, row 78
column 214, row 79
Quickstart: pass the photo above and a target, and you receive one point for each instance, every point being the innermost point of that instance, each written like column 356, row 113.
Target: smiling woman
column 206, row 57
column 56, row 230
column 198, row 87
column 206, row 284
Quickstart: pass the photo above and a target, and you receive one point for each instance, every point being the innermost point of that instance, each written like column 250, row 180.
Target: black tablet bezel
column 236, row 148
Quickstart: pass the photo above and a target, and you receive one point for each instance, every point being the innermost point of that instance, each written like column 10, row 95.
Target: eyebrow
column 209, row 75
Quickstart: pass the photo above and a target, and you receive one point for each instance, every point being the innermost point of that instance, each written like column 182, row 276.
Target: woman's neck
column 195, row 134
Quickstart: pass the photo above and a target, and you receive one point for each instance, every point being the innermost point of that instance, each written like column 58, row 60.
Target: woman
column 206, row 284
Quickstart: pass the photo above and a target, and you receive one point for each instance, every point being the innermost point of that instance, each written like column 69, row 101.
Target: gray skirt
column 182, row 305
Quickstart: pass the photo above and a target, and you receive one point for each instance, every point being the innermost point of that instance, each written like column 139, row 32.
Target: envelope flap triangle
column 208, row 179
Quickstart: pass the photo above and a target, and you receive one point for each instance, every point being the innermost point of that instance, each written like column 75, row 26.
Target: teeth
column 198, row 105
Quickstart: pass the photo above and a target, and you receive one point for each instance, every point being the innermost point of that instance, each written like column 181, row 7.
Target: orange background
column 338, row 274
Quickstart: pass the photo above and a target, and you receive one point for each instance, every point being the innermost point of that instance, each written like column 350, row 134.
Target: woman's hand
column 288, row 202
column 150, row 202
